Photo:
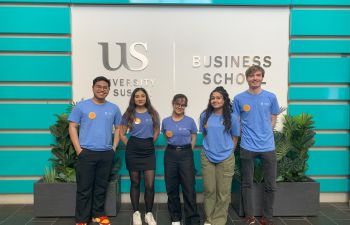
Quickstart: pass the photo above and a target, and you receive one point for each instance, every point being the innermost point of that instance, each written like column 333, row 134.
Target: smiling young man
column 95, row 150
column 257, row 109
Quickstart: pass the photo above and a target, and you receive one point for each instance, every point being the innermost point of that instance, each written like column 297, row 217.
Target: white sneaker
column 205, row 223
column 136, row 218
column 176, row 223
column 149, row 219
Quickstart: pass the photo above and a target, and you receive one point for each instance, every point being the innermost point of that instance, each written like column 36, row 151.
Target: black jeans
column 93, row 169
column 269, row 170
column 179, row 170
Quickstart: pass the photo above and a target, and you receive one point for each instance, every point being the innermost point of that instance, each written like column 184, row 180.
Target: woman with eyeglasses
column 142, row 122
column 180, row 132
column 220, row 128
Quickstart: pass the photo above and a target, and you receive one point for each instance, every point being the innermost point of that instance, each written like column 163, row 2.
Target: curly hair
column 227, row 109
column 129, row 114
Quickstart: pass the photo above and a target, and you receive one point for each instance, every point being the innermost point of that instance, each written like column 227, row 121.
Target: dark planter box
column 58, row 199
column 291, row 199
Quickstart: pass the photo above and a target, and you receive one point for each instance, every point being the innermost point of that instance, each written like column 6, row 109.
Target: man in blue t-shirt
column 258, row 111
column 95, row 149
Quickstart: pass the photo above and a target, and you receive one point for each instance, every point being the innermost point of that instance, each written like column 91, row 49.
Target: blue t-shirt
column 142, row 127
column 96, row 124
column 255, row 111
column 218, row 144
column 179, row 132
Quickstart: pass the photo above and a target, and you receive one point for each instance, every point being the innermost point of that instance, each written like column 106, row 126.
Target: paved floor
column 329, row 214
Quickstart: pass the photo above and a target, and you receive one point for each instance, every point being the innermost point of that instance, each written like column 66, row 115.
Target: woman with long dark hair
column 180, row 132
column 142, row 122
column 220, row 128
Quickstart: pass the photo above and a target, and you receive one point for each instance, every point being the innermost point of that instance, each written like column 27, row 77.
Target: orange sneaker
column 81, row 224
column 102, row 220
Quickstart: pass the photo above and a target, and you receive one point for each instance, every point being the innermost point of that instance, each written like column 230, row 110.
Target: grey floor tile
column 340, row 205
column 45, row 219
column 343, row 222
column 347, row 211
column 336, row 214
column 163, row 218
column 65, row 221
column 296, row 222
column 39, row 223
column 19, row 218
column 123, row 218
column 8, row 210
column 320, row 220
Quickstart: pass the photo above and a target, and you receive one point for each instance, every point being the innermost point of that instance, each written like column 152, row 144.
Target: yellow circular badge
column 246, row 108
column 137, row 120
column 169, row 133
column 92, row 115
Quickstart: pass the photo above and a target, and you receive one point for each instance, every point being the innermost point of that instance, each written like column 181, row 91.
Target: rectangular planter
column 291, row 199
column 58, row 199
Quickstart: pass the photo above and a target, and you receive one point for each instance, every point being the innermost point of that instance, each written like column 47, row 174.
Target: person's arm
column 156, row 134
column 116, row 138
column 273, row 120
column 193, row 140
column 122, row 134
column 73, row 133
column 235, row 141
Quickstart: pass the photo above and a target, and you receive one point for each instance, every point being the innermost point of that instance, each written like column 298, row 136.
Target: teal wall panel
column 319, row 93
column 26, row 139
column 35, row 44
column 319, row 70
column 187, row 2
column 334, row 185
column 17, row 186
column 329, row 162
column 319, row 46
column 36, row 92
column 37, row 1
column 332, row 140
column 325, row 116
column 14, row 68
column 320, row 22
column 29, row 116
column 321, row 2
column 23, row 163
column 35, row 20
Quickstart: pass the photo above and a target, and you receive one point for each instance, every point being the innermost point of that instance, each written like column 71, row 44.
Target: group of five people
column 252, row 115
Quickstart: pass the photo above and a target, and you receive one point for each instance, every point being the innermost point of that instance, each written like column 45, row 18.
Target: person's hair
column 101, row 78
column 226, row 112
column 129, row 114
column 179, row 96
column 253, row 69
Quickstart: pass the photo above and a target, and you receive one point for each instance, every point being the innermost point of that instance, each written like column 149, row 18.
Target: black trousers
column 93, row 170
column 269, row 163
column 179, row 170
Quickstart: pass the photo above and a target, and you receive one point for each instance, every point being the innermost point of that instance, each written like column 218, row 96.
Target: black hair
column 129, row 114
column 226, row 112
column 101, row 78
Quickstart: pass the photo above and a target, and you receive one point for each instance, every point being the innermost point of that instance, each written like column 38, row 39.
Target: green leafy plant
column 63, row 150
column 64, row 155
column 292, row 145
column 50, row 175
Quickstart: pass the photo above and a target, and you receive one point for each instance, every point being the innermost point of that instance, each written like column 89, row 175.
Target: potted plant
column 297, row 194
column 54, row 195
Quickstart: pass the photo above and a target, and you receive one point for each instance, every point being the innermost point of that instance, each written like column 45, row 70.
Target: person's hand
column 79, row 151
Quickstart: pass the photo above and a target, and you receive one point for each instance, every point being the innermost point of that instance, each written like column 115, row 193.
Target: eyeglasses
column 180, row 106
